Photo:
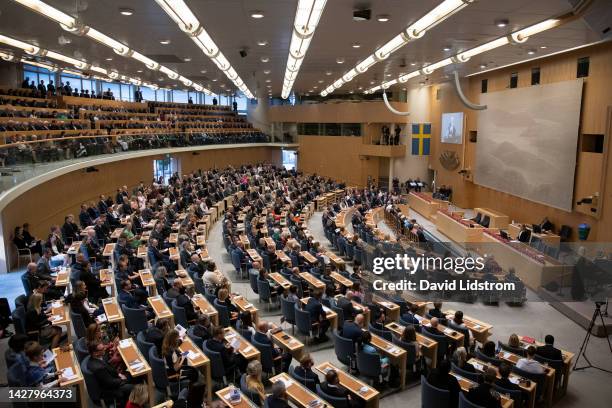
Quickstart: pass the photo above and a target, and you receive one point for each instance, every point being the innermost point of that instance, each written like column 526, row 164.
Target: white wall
column 411, row 166
column 258, row 114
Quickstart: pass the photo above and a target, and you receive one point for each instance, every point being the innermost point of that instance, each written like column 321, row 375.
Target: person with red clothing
column 139, row 397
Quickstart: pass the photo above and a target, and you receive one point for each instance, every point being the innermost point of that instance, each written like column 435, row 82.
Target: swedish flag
column 421, row 139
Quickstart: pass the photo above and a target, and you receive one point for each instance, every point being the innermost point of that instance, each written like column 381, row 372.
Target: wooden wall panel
column 346, row 112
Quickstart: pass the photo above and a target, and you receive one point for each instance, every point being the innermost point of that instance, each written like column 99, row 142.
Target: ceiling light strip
column 74, row 26
column 43, row 53
column 178, row 11
column 517, row 37
column 307, row 16
column 415, row 31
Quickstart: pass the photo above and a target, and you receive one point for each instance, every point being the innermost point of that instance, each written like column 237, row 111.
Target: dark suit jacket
column 128, row 299
column 334, row 390
column 307, row 374
column 226, row 354
column 276, row 402
column 409, row 318
column 184, row 302
column 347, row 308
column 201, row 331
column 155, row 336
column 481, row 395
column 550, row 352
column 352, row 331
column 106, row 375
column 315, row 308
column 43, row 269
column 446, row 382
column 436, row 313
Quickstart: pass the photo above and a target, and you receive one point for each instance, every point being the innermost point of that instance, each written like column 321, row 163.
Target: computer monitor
column 536, row 228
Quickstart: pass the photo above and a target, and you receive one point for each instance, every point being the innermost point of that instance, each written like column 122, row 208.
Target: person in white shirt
column 529, row 364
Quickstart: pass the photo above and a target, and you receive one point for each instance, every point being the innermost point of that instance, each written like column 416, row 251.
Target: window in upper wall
column 514, row 80
column 582, row 69
column 484, row 85
column 351, row 129
column 126, row 93
column 148, row 94
column 241, row 100
column 179, row 96
column 535, row 76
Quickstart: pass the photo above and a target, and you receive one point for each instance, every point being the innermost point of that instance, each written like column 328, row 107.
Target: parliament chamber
column 305, row 203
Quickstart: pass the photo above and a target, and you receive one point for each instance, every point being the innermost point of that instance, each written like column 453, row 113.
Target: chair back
column 93, row 388
column 466, row 403
column 385, row 334
column 18, row 317
column 266, row 358
column 167, row 299
column 160, row 285
column 253, row 281
column 515, row 350
column 410, row 351
column 224, row 314
column 516, row 395
column 344, row 348
column 236, row 261
column 158, row 370
column 340, row 314
column 298, row 284
column 432, row 396
column 251, row 394
column 263, row 288
column 539, row 379
column 135, row 319
column 481, row 356
column 244, row 332
column 463, row 330
column 196, row 339
column 307, row 382
column 217, row 369
column 77, row 323
column 368, row 364
column 336, row 402
column 288, row 310
column 143, row 345
column 199, row 285
column 556, row 364
column 21, row 301
column 442, row 342
column 476, row 377
column 302, row 321
column 180, row 316
column 80, row 349
column 16, row 375
column 26, row 283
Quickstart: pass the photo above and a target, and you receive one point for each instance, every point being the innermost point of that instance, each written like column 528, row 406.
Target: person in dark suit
column 304, row 370
column 94, row 289
column 331, row 386
column 433, row 328
column 278, row 398
column 318, row 315
column 282, row 359
column 504, row 381
column 126, row 297
column 155, row 334
column 70, row 231
column 484, row 395
column 182, row 300
column 218, row 343
column 203, row 327
column 440, row 377
column 344, row 303
column 437, row 311
column 410, row 315
column 112, row 384
column 524, row 234
column 548, row 350
column 353, row 329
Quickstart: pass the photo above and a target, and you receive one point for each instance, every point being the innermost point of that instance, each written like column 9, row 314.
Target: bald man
column 353, row 329
column 433, row 328
column 263, row 335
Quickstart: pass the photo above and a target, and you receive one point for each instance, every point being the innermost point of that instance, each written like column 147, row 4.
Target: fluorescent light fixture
column 262, row 43
column 28, row 48
column 356, row 45
column 383, row 18
column 49, row 12
column 307, row 18
column 52, row 68
column 164, row 42
column 257, row 14
column 525, row 33
column 466, row 55
column 415, row 31
column 126, row 11
column 7, row 56
column 178, row 11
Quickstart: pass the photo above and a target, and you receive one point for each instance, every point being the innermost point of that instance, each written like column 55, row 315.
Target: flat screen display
column 452, row 128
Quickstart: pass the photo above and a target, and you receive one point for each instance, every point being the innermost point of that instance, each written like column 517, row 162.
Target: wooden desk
column 63, row 278
column 530, row 389
column 59, row 316
column 330, row 314
column 395, row 353
column 425, row 205
column 184, row 277
column 480, row 331
column 336, row 260
column 108, row 250
column 74, row 248
column 567, row 362
column 549, row 381
column 241, row 345
column 429, row 347
column 308, row 257
column 450, row 333
column 280, row 279
column 245, row 402
column 174, row 254
column 114, row 314
column 342, row 280
column 312, row 281
column 392, row 310
column 202, row 304
column 200, row 240
column 142, row 252
column 298, row 394
column 173, row 238
column 466, row 384
column 282, row 256
column 245, row 241
column 161, row 309
column 289, row 343
column 147, row 281
column 244, row 305
column 131, row 355
column 355, row 386
column 198, row 360
column 456, row 230
column 65, row 360
column 548, row 238
column 496, row 219
column 107, row 279
column 116, row 233
column 254, row 255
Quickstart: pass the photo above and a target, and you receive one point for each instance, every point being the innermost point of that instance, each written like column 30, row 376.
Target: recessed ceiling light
column 264, row 59
column 413, row 63
column 160, row 78
column 257, row 14
column 501, row 23
column 139, row 71
column 356, row 45
column 222, row 85
column 268, row 86
column 360, row 88
column 483, row 66
column 315, row 87
column 214, row 79
column 340, row 60
column 387, row 75
column 126, row 11
column 164, row 42
column 543, row 47
column 446, row 48
column 531, row 52
column 262, row 43
column 403, row 89
column 109, row 58
column 268, row 80
column 372, row 82
column 350, row 92
column 203, row 71
column 383, row 18
column 267, row 72
column 422, row 83
column 187, row 59
column 328, row 73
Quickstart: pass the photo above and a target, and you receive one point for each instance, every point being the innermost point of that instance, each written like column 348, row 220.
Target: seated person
column 278, row 398
column 37, row 321
column 331, row 386
column 304, row 370
column 348, row 309
column 440, row 377
column 113, row 385
column 155, row 334
column 292, row 295
column 218, row 343
column 458, row 321
column 433, row 327
column 15, row 352
column 410, row 315
column 38, row 372
column 353, row 329
column 504, row 381
column 203, row 327
column 484, row 395
column 184, row 300
column 529, row 364
column 94, row 335
column 460, row 358
column 253, row 380
column 367, row 347
column 126, row 296
column 488, row 349
column 224, row 300
column 524, row 234
column 318, row 315
column 176, row 362
column 548, row 350
column 77, row 307
column 275, row 288
column 409, row 337
column 379, row 322
column 262, row 335
column 437, row 311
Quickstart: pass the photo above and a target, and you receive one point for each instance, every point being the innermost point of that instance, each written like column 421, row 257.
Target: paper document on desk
column 68, row 374
column 125, row 343
column 192, row 356
column 49, row 356
column 101, row 318
column 286, row 381
column 235, row 343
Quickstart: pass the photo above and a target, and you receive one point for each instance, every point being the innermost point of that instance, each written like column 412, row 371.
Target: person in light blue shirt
column 367, row 347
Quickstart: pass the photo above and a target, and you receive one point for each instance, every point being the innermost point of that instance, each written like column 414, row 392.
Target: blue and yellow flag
column 421, row 139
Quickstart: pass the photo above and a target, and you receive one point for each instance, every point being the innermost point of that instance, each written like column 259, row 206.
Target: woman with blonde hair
column 514, row 341
column 253, row 379
column 36, row 321
column 139, row 397
column 175, row 360
column 460, row 358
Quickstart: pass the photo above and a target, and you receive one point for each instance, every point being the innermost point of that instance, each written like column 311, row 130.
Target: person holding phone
column 176, row 361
